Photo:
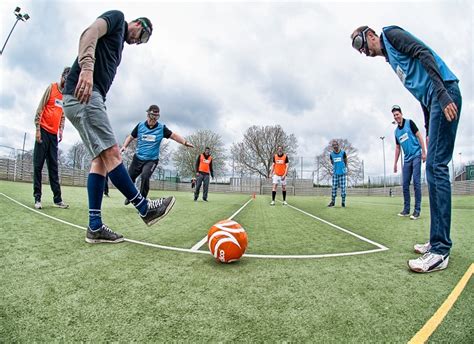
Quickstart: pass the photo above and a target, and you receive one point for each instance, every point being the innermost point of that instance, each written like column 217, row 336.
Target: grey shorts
column 91, row 122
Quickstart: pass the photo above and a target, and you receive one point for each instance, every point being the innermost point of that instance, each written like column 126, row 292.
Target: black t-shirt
column 166, row 132
column 413, row 127
column 108, row 54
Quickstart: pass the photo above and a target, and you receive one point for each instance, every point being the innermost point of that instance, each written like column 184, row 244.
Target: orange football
column 227, row 241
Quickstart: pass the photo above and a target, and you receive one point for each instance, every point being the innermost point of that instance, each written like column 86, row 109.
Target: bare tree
column 254, row 155
column 354, row 168
column 185, row 158
column 78, row 156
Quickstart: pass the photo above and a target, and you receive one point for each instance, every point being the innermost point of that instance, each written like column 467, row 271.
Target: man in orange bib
column 279, row 171
column 49, row 122
column 203, row 170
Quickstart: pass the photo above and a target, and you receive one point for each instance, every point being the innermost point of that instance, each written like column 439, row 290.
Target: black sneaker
column 103, row 235
column 157, row 209
column 331, row 204
column 126, row 202
column 415, row 215
column 404, row 213
column 343, row 204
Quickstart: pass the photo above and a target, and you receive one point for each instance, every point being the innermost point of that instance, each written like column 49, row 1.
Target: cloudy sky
column 229, row 65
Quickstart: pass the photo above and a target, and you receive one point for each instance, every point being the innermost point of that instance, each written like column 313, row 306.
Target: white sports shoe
column 38, row 205
column 285, row 203
column 272, row 203
column 429, row 262
column 422, row 248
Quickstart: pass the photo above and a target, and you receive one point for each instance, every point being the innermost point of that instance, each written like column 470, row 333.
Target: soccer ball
column 227, row 241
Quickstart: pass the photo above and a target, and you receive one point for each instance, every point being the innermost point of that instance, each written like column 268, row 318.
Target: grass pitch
column 55, row 287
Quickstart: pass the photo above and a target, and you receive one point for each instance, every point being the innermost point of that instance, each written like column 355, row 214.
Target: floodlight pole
column 384, row 173
column 22, row 17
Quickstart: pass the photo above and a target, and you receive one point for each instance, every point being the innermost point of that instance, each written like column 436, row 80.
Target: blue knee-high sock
column 122, row 181
column 95, row 189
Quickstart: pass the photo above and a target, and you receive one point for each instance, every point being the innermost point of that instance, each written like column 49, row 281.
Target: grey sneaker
column 61, row 205
column 415, row 215
column 158, row 209
column 429, row 262
column 422, row 248
column 38, row 205
column 404, row 213
column 103, row 235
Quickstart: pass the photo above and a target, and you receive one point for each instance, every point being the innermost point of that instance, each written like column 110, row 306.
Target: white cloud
column 226, row 66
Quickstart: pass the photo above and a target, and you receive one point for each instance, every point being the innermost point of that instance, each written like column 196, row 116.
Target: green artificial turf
column 55, row 287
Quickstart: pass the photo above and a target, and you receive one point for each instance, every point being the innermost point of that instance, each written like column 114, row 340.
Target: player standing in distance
column 279, row 172
column 100, row 53
column 203, row 170
column 49, row 122
column 149, row 135
column 409, row 138
column 338, row 159
column 435, row 86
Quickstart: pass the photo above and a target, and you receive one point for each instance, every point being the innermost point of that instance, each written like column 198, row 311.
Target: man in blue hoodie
column 435, row 86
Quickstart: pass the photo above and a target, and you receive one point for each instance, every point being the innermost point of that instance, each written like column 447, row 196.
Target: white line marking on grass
column 187, row 250
column 380, row 246
column 84, row 228
column 204, row 240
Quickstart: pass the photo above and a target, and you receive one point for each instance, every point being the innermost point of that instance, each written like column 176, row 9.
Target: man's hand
column 60, row 135
column 451, row 112
column 122, row 150
column 197, row 174
column 84, row 86
column 395, row 168
column 423, row 156
column 188, row 144
column 38, row 136
column 283, row 177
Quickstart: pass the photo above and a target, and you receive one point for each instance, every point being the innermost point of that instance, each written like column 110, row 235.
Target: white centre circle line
column 187, row 250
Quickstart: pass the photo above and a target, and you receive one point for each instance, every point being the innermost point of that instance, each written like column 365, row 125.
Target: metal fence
column 22, row 170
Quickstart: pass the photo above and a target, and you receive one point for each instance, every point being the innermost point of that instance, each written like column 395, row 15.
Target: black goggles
column 359, row 42
column 154, row 115
column 146, row 32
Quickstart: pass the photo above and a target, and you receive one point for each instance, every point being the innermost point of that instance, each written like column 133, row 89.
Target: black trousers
column 145, row 168
column 203, row 177
column 47, row 151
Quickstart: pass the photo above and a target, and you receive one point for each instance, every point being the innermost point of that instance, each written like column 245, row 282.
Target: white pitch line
column 380, row 246
column 201, row 242
column 187, row 250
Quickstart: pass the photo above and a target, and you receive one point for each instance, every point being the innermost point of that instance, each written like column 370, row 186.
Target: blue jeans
column 442, row 135
column 412, row 168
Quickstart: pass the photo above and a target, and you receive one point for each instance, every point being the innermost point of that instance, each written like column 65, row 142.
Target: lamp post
column 19, row 16
column 384, row 172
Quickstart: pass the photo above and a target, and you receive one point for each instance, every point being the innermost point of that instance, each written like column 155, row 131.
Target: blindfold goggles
column 359, row 42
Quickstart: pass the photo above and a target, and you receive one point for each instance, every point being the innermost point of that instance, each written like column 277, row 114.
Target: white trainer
column 38, row 205
column 285, row 203
column 422, row 248
column 429, row 262
column 272, row 203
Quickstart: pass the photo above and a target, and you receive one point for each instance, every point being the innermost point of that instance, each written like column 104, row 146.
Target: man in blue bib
column 408, row 137
column 339, row 162
column 149, row 135
column 435, row 86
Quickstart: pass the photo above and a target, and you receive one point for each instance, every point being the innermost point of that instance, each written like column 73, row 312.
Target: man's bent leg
column 147, row 172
